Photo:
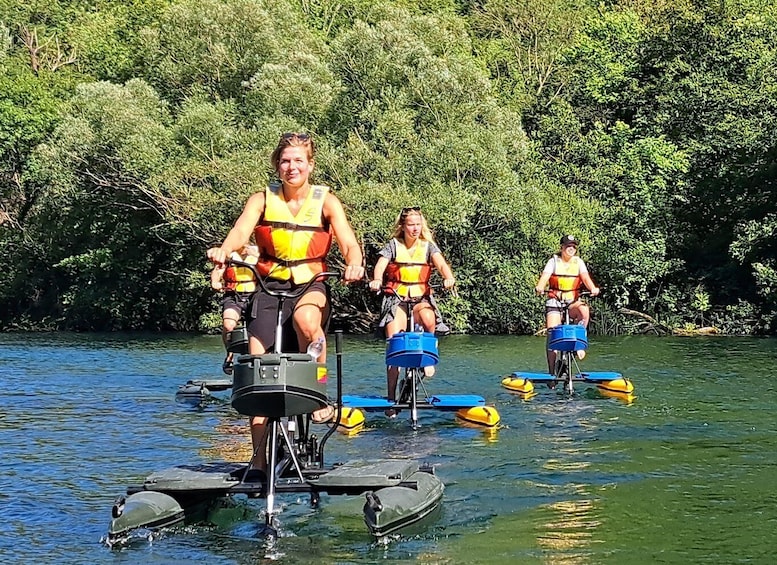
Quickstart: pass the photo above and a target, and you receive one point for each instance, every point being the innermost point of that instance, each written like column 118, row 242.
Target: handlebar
column 411, row 299
column 282, row 293
column 582, row 293
column 567, row 303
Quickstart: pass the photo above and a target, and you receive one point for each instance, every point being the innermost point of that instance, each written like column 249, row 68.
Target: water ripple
column 581, row 480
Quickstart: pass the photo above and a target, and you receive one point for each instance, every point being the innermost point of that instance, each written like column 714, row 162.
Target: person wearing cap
column 563, row 276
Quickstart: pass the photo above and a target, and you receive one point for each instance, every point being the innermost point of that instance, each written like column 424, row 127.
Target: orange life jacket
column 240, row 279
column 565, row 281
column 293, row 247
column 408, row 274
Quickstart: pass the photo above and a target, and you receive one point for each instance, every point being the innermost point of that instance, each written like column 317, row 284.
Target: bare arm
column 216, row 276
column 542, row 283
column 377, row 276
column 448, row 281
column 346, row 238
column 241, row 231
column 589, row 283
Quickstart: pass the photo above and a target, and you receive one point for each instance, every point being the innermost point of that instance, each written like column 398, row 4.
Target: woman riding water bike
column 563, row 275
column 406, row 262
column 292, row 222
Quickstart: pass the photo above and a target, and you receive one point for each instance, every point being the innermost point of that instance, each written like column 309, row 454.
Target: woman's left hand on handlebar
column 375, row 285
column 450, row 286
column 353, row 273
column 595, row 291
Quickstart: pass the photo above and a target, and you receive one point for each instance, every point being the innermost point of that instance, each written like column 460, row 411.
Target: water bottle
column 316, row 348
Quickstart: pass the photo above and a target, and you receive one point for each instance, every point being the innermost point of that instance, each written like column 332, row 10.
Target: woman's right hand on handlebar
column 375, row 285
column 217, row 255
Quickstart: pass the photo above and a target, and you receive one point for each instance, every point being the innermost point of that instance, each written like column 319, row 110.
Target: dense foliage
column 131, row 133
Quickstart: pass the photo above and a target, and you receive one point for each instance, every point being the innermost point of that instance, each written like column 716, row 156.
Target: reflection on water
column 231, row 442
column 569, row 533
column 682, row 473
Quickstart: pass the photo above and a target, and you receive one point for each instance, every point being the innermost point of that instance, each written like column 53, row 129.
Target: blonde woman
column 406, row 264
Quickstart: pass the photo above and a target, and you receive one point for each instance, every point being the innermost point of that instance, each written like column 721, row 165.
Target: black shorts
column 236, row 301
column 263, row 314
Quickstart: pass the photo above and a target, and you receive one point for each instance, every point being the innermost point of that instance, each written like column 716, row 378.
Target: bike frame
column 291, row 446
column 413, row 376
column 566, row 366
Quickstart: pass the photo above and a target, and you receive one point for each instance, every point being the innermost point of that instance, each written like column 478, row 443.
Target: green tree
column 708, row 85
column 232, row 42
column 121, row 262
column 523, row 42
column 417, row 122
column 645, row 128
column 754, row 247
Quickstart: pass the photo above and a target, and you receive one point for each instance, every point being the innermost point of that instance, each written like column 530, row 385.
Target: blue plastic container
column 567, row 337
column 412, row 349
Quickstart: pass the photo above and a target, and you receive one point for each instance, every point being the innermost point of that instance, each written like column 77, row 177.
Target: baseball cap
column 569, row 240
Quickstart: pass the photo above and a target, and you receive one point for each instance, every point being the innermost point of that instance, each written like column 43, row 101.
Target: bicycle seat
column 276, row 385
column 412, row 349
column 567, row 337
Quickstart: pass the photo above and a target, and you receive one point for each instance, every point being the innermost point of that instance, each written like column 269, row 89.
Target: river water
column 686, row 473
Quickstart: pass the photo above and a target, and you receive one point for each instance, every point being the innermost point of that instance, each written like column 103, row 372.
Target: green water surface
column 683, row 474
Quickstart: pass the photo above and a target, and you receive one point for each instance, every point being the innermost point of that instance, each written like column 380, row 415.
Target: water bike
column 286, row 388
column 565, row 340
column 414, row 350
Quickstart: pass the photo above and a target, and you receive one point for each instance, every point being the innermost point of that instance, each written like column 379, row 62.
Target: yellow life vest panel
column 240, row 279
column 408, row 273
column 565, row 281
column 293, row 247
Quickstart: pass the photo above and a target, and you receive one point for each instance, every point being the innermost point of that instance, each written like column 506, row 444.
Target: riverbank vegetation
column 131, row 133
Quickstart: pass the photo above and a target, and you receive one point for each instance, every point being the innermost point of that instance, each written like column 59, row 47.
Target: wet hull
column 609, row 382
column 152, row 510
column 406, row 493
column 392, row 510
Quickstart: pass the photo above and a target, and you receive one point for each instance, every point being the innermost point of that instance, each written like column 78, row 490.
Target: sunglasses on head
column 411, row 209
column 291, row 135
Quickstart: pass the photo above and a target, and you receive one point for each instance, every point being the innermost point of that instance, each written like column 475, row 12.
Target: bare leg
column 551, row 361
column 392, row 373
column 424, row 314
column 228, row 323
column 259, row 442
column 552, row 320
column 392, row 376
column 258, row 423
column 309, row 313
column 580, row 314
